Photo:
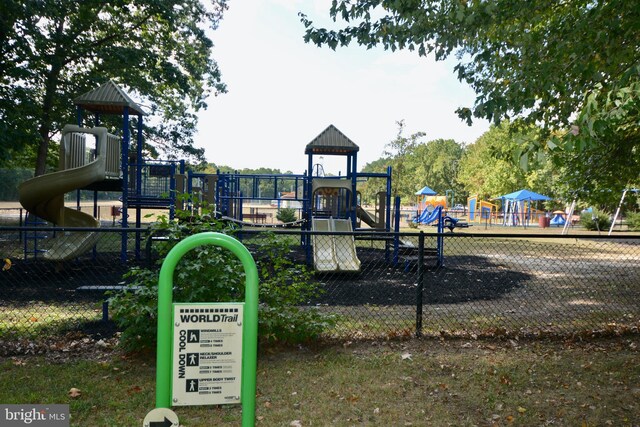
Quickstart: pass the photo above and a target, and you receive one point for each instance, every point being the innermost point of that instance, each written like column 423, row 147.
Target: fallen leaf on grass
column 406, row 356
column 134, row 389
column 521, row 410
column 74, row 393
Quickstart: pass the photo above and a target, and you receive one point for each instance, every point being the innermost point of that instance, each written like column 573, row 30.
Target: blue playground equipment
column 558, row 219
column 427, row 216
column 327, row 203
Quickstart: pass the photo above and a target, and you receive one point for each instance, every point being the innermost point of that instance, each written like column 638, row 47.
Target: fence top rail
column 79, row 229
column 382, row 235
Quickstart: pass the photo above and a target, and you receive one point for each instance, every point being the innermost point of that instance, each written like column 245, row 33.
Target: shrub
column 286, row 215
column 633, row 220
column 284, row 286
column 597, row 220
column 213, row 274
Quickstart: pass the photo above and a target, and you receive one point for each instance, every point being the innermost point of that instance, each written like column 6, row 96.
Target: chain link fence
column 378, row 284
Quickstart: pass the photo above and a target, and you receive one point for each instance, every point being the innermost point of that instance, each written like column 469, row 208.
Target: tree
column 536, row 62
column 414, row 165
column 436, row 164
column 370, row 188
column 489, row 168
column 397, row 152
column 54, row 50
column 597, row 175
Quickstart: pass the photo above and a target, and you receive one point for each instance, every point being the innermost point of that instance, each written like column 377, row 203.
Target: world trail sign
column 207, row 352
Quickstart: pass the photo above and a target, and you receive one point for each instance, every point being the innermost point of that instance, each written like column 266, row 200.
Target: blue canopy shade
column 426, row 191
column 524, row 195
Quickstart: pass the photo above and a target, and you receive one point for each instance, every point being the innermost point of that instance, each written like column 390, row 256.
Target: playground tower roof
column 108, row 99
column 426, row 191
column 331, row 141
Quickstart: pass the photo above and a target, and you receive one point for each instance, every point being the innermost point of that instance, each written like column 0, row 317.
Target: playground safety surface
column 528, row 289
column 465, row 278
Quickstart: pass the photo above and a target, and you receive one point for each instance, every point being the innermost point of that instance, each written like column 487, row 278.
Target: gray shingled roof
column 108, row 99
column 331, row 141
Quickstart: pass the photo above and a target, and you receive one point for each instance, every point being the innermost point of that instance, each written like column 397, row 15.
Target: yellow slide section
column 43, row 196
column 324, row 253
column 331, row 252
column 345, row 247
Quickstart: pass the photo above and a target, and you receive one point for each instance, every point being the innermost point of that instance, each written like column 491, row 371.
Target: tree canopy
column 534, row 61
column 415, row 164
column 489, row 169
column 51, row 51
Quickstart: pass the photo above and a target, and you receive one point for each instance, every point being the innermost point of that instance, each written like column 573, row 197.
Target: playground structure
column 332, row 205
column 44, row 195
column 113, row 166
column 481, row 210
column 105, row 168
column 517, row 207
column 428, row 200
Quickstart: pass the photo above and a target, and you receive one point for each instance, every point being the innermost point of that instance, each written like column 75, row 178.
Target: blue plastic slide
column 427, row 217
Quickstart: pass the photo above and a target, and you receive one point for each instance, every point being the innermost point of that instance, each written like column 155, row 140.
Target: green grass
column 39, row 318
column 418, row 382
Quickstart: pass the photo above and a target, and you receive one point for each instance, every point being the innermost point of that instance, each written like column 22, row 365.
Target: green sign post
column 249, row 324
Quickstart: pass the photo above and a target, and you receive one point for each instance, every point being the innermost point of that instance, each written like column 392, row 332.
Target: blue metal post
column 125, row 181
column 388, row 213
column 275, row 188
column 354, row 185
column 189, row 204
column 396, row 228
column 139, row 159
column 440, row 241
column 95, row 215
column 172, row 192
column 308, row 211
column 218, row 186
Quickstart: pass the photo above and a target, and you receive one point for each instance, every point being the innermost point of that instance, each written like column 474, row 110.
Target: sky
column 283, row 92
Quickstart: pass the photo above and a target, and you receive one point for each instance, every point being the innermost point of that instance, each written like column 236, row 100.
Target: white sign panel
column 207, row 353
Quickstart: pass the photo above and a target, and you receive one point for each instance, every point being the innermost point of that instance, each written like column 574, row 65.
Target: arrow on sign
column 161, row 417
column 166, row 423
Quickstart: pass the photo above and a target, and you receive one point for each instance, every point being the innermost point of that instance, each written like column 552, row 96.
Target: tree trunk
column 47, row 104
